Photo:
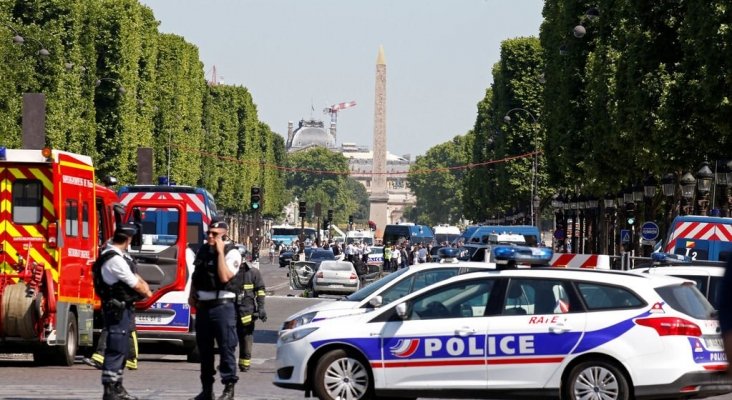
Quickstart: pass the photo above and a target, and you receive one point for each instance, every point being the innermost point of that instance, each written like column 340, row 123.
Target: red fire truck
column 54, row 218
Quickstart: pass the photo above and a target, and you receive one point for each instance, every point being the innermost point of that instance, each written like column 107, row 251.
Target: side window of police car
column 459, row 300
column 535, row 296
column 606, row 297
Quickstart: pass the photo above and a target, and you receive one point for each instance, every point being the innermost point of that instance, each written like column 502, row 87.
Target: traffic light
column 326, row 225
column 302, row 208
column 350, row 219
column 256, row 198
column 330, row 215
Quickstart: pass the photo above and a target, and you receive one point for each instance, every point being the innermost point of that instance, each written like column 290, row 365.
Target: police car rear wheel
column 596, row 379
column 339, row 375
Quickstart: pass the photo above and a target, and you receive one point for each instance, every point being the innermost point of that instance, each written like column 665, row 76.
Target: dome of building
column 312, row 133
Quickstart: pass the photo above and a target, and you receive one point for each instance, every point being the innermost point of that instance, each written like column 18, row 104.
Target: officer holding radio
column 118, row 285
column 213, row 294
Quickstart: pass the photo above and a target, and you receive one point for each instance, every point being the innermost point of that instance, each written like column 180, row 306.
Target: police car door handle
column 464, row 331
column 559, row 328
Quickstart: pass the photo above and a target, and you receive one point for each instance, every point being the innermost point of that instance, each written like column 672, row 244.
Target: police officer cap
column 219, row 225
column 127, row 230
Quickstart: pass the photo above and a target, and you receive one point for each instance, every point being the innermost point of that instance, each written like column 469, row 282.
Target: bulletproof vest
column 205, row 274
column 119, row 290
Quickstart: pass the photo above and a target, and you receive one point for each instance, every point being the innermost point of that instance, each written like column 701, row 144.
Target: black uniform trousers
column 246, row 339
column 117, row 322
column 216, row 320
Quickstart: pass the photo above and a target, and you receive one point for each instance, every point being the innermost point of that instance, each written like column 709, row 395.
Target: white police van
column 527, row 333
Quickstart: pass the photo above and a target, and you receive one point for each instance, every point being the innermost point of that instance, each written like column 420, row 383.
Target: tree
column 430, row 178
column 318, row 175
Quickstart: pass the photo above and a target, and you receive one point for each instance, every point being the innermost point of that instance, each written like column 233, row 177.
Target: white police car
column 707, row 275
column 404, row 281
column 529, row 333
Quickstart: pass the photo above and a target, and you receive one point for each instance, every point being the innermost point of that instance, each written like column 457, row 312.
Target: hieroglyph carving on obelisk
column 379, row 196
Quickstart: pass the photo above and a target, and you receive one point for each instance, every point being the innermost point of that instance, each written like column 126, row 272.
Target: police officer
column 213, row 294
column 120, row 286
column 250, row 301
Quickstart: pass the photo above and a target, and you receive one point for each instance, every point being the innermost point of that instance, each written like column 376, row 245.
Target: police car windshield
column 368, row 290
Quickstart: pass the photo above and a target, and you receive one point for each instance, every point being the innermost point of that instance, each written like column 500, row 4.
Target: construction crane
column 333, row 110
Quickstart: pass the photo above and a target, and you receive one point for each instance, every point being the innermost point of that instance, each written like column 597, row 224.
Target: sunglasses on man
column 214, row 234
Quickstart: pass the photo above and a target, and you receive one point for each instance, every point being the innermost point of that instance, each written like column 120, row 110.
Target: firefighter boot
column 228, row 392
column 206, row 394
column 122, row 392
column 110, row 391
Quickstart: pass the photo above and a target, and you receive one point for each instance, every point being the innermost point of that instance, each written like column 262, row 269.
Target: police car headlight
column 299, row 321
column 296, row 335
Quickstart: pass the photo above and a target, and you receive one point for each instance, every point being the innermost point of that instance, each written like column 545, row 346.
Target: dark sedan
column 285, row 258
column 319, row 255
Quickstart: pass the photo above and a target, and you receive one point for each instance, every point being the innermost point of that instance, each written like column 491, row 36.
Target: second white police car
column 529, row 333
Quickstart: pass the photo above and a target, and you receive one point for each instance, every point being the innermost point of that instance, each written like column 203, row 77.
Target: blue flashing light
column 3, row 153
column 666, row 258
column 523, row 255
column 448, row 252
column 163, row 180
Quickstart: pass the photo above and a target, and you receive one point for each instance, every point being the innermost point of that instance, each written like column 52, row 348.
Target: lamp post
column 534, row 159
column 581, row 205
column 668, row 186
column 609, row 206
column 574, row 207
column 17, row 37
column 591, row 205
column 688, row 184
column 560, row 231
column 649, row 192
column 704, row 178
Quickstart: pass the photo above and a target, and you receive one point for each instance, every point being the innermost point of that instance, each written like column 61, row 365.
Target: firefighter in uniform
column 250, row 306
column 123, row 287
column 213, row 294
column 97, row 359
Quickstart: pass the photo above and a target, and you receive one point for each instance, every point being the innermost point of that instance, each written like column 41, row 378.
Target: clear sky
column 295, row 55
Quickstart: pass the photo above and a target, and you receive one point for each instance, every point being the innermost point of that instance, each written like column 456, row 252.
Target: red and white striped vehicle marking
column 194, row 202
column 568, row 260
column 699, row 231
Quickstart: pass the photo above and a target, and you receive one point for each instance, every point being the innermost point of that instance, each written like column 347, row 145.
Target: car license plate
column 713, row 342
column 148, row 319
column 336, row 286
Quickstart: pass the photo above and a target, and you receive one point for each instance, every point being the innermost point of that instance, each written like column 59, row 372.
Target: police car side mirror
column 376, row 301
column 401, row 310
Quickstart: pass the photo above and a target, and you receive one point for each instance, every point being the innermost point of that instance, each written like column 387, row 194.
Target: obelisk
column 379, row 196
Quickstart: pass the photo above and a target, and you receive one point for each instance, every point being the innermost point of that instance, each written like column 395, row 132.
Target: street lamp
column 688, row 183
column 704, row 178
column 17, row 38
column 609, row 205
column 534, row 159
column 668, row 187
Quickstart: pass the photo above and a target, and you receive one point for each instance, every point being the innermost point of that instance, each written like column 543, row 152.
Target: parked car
column 335, row 277
column 319, row 255
column 517, row 333
column 285, row 257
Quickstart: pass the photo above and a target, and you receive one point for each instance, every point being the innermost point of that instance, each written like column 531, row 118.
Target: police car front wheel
column 596, row 379
column 340, row 375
